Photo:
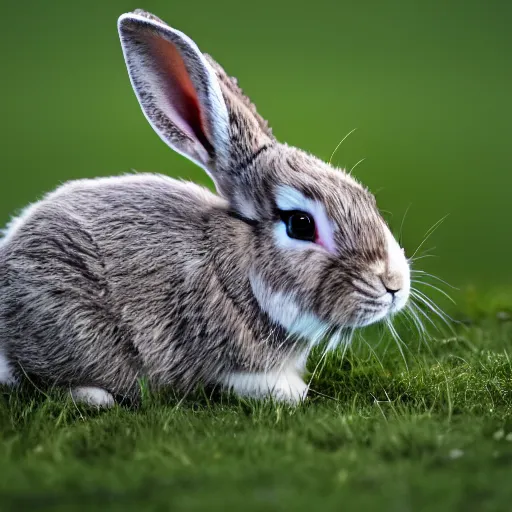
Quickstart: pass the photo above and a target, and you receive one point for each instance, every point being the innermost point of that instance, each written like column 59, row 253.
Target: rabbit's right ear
column 177, row 89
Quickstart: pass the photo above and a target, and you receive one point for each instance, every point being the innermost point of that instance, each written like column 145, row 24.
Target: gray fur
column 110, row 280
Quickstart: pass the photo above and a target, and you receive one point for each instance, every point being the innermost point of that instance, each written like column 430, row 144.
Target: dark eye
column 299, row 225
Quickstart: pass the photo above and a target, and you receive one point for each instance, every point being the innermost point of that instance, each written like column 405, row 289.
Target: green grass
column 375, row 436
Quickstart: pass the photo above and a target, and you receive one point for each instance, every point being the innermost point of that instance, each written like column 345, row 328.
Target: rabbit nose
column 392, row 282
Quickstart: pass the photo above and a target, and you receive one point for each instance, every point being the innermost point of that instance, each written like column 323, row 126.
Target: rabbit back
column 84, row 262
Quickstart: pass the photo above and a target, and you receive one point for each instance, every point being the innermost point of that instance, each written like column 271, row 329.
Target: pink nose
column 392, row 281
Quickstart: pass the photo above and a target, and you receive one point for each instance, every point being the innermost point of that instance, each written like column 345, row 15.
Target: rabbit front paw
column 96, row 397
column 286, row 386
column 6, row 375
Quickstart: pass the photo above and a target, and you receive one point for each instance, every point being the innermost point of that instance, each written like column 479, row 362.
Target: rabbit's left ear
column 177, row 90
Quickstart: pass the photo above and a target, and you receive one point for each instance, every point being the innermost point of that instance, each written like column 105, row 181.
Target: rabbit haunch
column 107, row 281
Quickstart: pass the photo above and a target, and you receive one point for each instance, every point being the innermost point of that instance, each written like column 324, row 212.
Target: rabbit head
column 322, row 255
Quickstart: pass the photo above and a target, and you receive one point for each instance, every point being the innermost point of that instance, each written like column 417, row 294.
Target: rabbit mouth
column 368, row 317
column 385, row 306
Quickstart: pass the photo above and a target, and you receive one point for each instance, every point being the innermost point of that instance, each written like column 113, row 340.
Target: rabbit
column 104, row 282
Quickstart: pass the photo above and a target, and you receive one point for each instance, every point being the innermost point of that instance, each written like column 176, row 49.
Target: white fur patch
column 6, row 375
column 397, row 264
column 286, row 386
column 282, row 308
column 289, row 198
column 309, row 326
column 93, row 396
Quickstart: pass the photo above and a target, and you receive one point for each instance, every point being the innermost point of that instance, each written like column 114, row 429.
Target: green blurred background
column 427, row 85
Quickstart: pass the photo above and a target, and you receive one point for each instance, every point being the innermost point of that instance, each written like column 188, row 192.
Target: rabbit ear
column 192, row 103
column 177, row 89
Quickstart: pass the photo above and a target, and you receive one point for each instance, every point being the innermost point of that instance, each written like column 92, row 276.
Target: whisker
column 315, row 370
column 347, row 341
column 428, row 252
column 335, row 340
column 428, row 234
column 415, row 271
column 382, row 337
column 353, row 167
column 434, row 308
column 417, row 318
column 402, row 224
column 372, row 351
column 321, row 360
column 432, row 304
column 413, row 316
column 424, row 335
column 417, row 309
column 421, row 257
column 398, row 341
column 423, row 283
column 414, row 310
column 340, row 143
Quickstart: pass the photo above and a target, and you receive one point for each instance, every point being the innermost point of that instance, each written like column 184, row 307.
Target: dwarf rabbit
column 107, row 281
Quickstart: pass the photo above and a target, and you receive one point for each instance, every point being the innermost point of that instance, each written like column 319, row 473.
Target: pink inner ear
column 183, row 105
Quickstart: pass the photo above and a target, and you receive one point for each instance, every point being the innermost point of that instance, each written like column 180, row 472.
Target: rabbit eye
column 299, row 225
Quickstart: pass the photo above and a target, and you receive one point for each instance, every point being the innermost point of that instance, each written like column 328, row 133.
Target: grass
column 376, row 435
